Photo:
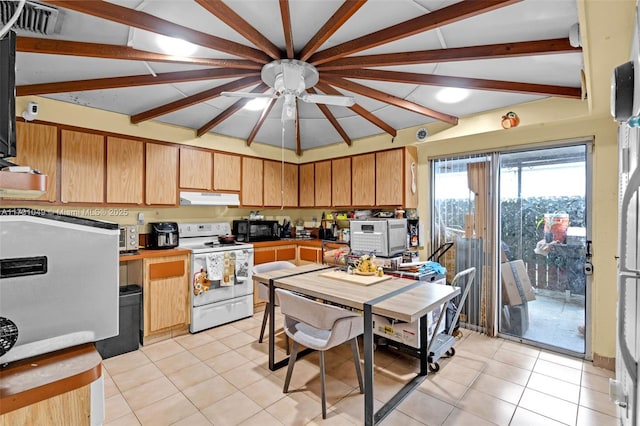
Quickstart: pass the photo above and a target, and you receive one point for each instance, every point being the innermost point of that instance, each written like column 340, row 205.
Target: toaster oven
column 383, row 237
column 128, row 238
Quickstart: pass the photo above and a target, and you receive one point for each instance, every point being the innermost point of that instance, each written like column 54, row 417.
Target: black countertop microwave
column 247, row 230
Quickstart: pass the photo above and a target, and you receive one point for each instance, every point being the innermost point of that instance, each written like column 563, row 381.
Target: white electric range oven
column 221, row 275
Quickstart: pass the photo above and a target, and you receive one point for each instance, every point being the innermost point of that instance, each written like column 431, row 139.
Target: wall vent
column 35, row 17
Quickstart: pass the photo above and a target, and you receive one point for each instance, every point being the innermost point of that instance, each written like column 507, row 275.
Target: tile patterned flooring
column 220, row 377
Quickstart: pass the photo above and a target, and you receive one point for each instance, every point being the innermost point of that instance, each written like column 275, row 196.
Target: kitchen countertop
column 144, row 254
column 32, row 380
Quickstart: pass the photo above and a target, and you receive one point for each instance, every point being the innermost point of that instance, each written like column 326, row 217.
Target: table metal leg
column 368, row 366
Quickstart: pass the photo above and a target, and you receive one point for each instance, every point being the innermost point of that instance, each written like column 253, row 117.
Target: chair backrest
column 316, row 314
column 273, row 266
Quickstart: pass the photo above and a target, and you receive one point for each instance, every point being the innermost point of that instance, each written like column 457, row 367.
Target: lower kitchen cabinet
column 267, row 254
column 308, row 254
column 165, row 293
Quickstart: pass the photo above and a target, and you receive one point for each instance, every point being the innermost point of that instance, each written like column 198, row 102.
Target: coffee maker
column 164, row 235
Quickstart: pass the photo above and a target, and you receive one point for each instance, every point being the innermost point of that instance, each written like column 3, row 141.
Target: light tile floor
column 220, row 377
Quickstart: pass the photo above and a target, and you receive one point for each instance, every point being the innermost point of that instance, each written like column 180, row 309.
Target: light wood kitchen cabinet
column 161, row 174
column 307, row 254
column 363, row 180
column 323, row 183
column 125, row 171
column 306, row 195
column 226, row 172
column 290, row 185
column 252, row 180
column 273, row 183
column 82, row 167
column 196, row 169
column 341, row 182
column 37, row 147
column 271, row 254
column 396, row 174
column 166, row 293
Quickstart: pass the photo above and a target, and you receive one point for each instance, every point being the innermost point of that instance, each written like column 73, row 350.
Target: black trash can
column 128, row 338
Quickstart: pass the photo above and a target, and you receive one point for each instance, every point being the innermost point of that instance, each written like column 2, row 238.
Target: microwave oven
column 382, row 237
column 248, row 231
column 128, row 238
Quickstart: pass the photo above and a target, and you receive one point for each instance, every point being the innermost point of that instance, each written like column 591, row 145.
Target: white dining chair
column 263, row 290
column 320, row 327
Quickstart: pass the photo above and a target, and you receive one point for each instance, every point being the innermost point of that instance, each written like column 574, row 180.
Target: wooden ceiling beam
column 438, row 18
column 491, row 51
column 132, row 81
column 328, row 90
column 462, row 82
column 286, row 27
column 242, row 27
column 194, row 99
column 342, row 15
column 260, row 122
column 238, row 105
column 148, row 22
column 387, row 98
column 112, row 51
column 332, row 119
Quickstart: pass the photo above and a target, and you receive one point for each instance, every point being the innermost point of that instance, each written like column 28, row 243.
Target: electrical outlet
column 140, row 218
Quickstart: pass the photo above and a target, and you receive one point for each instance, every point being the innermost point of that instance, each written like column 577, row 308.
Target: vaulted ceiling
column 392, row 56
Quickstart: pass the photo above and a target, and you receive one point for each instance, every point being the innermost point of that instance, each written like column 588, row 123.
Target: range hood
column 208, row 199
column 22, row 185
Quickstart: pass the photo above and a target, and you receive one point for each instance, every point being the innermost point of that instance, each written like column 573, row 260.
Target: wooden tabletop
column 408, row 306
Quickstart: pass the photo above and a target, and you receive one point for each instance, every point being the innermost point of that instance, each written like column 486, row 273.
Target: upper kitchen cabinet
column 37, row 147
column 323, row 183
column 341, row 182
column 280, row 184
column 196, row 169
column 161, row 174
column 125, row 171
column 307, row 185
column 252, row 181
column 226, row 172
column 82, row 167
column 363, row 180
column 396, row 174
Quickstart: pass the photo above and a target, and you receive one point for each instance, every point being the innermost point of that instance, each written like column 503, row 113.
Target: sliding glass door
column 543, row 234
column 521, row 218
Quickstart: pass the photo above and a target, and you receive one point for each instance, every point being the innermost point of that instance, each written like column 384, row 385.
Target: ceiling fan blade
column 247, row 95
column 345, row 101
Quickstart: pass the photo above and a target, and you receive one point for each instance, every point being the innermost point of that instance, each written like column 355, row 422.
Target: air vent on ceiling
column 35, row 17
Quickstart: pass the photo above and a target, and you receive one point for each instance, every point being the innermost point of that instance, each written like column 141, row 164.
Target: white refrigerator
column 624, row 389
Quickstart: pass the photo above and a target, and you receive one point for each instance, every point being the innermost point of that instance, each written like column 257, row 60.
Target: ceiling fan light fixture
column 452, row 95
column 256, row 104
column 175, row 46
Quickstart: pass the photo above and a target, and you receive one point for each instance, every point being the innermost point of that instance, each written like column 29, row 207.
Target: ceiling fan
column 289, row 78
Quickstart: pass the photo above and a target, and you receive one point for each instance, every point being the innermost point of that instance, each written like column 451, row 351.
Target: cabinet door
column 196, row 169
column 323, row 183
column 290, row 185
column 252, row 176
column 363, row 180
column 125, row 171
column 273, row 184
column 226, row 172
column 341, row 182
column 161, row 174
column 264, row 255
column 82, row 167
column 307, row 185
column 286, row 253
column 37, row 147
column 309, row 255
column 389, row 178
column 166, row 293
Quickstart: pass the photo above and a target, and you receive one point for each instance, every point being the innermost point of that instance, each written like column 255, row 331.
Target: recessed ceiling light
column 451, row 95
column 256, row 104
column 175, row 46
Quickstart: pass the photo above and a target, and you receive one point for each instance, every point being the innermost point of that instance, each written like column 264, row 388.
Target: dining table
column 392, row 297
